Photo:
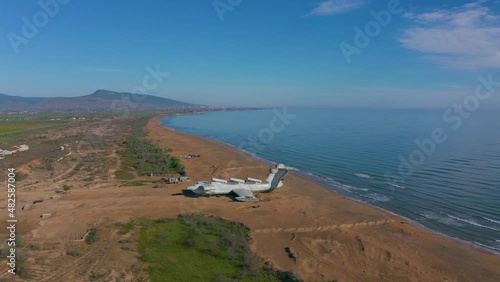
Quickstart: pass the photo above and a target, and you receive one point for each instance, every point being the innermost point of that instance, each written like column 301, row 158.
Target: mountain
column 101, row 100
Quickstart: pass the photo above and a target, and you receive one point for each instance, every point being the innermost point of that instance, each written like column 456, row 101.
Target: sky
column 314, row 53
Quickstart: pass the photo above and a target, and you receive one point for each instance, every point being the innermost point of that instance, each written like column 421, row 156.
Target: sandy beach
column 331, row 237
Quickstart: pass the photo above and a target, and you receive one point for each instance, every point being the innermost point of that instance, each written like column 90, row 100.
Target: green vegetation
column 73, row 253
column 21, row 176
column 133, row 183
column 142, row 157
column 124, row 175
column 147, row 158
column 92, row 236
column 36, row 246
column 194, row 247
column 5, row 128
column 16, row 127
column 127, row 227
column 22, row 268
column 19, row 241
column 94, row 276
column 66, row 187
column 9, row 125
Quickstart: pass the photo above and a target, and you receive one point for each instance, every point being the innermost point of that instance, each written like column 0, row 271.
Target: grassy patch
column 198, row 248
column 127, row 227
column 16, row 129
column 133, row 183
column 146, row 158
column 92, row 236
column 12, row 127
column 124, row 175
column 36, row 246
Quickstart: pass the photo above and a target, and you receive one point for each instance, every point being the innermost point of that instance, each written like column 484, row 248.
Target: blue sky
column 253, row 52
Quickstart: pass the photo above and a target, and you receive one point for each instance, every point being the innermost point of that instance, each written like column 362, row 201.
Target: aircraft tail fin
column 276, row 175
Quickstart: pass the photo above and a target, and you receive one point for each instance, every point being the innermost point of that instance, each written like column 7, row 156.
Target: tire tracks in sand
column 84, row 264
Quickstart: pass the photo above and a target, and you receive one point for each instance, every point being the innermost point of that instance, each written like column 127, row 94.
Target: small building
column 183, row 178
column 172, row 180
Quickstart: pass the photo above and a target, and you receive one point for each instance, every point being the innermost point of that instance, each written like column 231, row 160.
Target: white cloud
column 334, row 7
column 466, row 37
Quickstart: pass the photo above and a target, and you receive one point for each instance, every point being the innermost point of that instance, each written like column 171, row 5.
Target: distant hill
column 101, row 100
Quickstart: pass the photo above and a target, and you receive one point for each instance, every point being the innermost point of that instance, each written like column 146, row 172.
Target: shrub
column 73, row 253
column 36, row 246
column 92, row 236
column 127, row 227
column 124, row 175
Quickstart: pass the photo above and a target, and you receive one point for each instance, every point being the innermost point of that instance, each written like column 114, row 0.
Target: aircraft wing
column 245, row 195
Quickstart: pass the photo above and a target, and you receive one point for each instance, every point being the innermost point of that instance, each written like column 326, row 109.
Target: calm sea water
column 452, row 187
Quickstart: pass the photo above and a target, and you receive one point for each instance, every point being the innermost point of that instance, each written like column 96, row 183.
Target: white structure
column 5, row 152
column 24, row 148
column 243, row 188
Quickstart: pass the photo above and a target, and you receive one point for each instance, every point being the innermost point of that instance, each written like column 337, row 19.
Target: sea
column 438, row 168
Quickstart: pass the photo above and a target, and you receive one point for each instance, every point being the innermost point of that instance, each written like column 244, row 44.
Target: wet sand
column 329, row 236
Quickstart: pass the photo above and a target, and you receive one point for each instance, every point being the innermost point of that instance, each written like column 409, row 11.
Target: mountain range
column 101, row 100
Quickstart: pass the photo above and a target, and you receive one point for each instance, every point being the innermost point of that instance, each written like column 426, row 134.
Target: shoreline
column 365, row 220
column 319, row 181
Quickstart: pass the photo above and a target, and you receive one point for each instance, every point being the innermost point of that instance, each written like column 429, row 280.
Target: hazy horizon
column 331, row 53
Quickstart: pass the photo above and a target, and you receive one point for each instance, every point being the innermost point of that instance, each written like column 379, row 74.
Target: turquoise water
column 451, row 186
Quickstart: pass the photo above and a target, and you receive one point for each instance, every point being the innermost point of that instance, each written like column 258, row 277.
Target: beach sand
column 329, row 236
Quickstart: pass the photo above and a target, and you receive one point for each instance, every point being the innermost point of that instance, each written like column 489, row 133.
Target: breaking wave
column 486, row 246
column 473, row 222
column 346, row 187
column 442, row 219
column 492, row 220
column 362, row 175
column 397, row 186
column 454, row 220
column 378, row 197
